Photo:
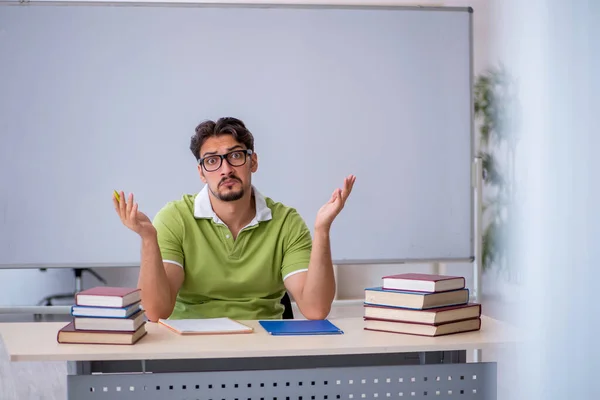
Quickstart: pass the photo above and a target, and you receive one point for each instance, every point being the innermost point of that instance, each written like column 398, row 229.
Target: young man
column 228, row 250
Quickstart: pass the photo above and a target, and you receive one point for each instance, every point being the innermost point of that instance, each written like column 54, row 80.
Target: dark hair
column 224, row 126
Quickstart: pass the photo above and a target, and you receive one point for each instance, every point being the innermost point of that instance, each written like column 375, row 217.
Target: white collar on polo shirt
column 203, row 208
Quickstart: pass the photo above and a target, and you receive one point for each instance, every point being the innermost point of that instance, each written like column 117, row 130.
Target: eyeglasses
column 236, row 158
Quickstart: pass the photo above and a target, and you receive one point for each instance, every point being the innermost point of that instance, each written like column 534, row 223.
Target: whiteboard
column 96, row 98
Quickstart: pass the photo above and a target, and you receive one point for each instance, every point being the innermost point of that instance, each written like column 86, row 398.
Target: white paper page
column 205, row 325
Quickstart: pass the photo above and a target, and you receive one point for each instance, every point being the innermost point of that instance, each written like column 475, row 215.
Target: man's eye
column 211, row 161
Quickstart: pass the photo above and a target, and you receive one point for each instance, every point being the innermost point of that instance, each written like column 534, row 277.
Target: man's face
column 226, row 182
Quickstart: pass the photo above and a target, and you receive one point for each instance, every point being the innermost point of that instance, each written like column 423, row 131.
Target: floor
column 47, row 380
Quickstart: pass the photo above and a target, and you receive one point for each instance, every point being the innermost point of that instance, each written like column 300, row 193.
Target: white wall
column 27, row 287
column 552, row 49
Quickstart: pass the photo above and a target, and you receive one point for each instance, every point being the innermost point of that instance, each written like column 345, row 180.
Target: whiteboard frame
column 476, row 206
column 423, row 4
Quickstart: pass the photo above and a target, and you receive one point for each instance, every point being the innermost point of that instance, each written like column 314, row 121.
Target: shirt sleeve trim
column 173, row 262
column 294, row 273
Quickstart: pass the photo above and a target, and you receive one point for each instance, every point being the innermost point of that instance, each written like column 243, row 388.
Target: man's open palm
column 131, row 217
column 336, row 203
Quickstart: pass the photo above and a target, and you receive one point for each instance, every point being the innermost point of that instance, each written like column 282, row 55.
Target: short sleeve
column 169, row 229
column 297, row 245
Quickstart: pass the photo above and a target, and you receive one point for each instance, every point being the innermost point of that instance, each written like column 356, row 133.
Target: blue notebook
column 300, row 327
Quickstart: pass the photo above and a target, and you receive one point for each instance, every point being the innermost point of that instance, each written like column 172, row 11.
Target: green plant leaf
column 491, row 173
column 495, row 117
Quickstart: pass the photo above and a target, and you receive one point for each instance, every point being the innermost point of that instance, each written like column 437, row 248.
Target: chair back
column 288, row 312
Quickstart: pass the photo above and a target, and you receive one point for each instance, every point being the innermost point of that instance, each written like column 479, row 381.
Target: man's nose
column 226, row 168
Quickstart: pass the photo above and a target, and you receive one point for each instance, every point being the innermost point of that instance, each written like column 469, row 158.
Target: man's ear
column 201, row 173
column 253, row 162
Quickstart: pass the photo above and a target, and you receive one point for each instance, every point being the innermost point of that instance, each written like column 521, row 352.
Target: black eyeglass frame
column 247, row 152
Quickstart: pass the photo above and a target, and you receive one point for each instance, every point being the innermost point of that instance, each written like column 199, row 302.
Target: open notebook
column 206, row 326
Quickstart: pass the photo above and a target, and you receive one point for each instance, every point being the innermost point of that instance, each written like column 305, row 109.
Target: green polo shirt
column 241, row 278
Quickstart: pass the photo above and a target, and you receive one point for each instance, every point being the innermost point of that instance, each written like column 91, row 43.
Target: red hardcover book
column 107, row 296
column 423, row 282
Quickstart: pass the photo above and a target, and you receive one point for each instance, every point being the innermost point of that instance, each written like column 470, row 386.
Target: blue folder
column 300, row 327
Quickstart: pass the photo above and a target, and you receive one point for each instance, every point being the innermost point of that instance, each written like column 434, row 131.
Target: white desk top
column 36, row 341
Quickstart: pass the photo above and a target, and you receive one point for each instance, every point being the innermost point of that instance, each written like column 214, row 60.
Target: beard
column 231, row 194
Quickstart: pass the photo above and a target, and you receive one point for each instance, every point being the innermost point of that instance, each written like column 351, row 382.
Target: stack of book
column 421, row 304
column 105, row 315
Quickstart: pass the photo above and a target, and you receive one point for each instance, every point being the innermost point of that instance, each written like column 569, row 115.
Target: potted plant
column 496, row 119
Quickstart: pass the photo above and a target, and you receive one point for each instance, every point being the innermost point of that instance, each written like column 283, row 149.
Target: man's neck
column 235, row 214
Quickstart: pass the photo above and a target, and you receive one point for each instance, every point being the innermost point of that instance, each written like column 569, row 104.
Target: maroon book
column 108, row 296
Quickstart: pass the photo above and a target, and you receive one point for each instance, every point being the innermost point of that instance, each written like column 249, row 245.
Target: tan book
column 130, row 324
column 432, row 316
column 68, row 334
column 416, row 300
column 410, row 328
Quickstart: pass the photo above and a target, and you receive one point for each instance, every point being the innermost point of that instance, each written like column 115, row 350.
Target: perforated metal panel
column 476, row 381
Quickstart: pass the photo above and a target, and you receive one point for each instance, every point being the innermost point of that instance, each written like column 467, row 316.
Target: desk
column 356, row 365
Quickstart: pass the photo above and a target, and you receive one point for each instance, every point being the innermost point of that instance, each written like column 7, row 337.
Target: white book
column 205, row 326
column 106, row 312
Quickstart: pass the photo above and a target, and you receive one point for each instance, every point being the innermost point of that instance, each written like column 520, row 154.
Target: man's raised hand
column 131, row 217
